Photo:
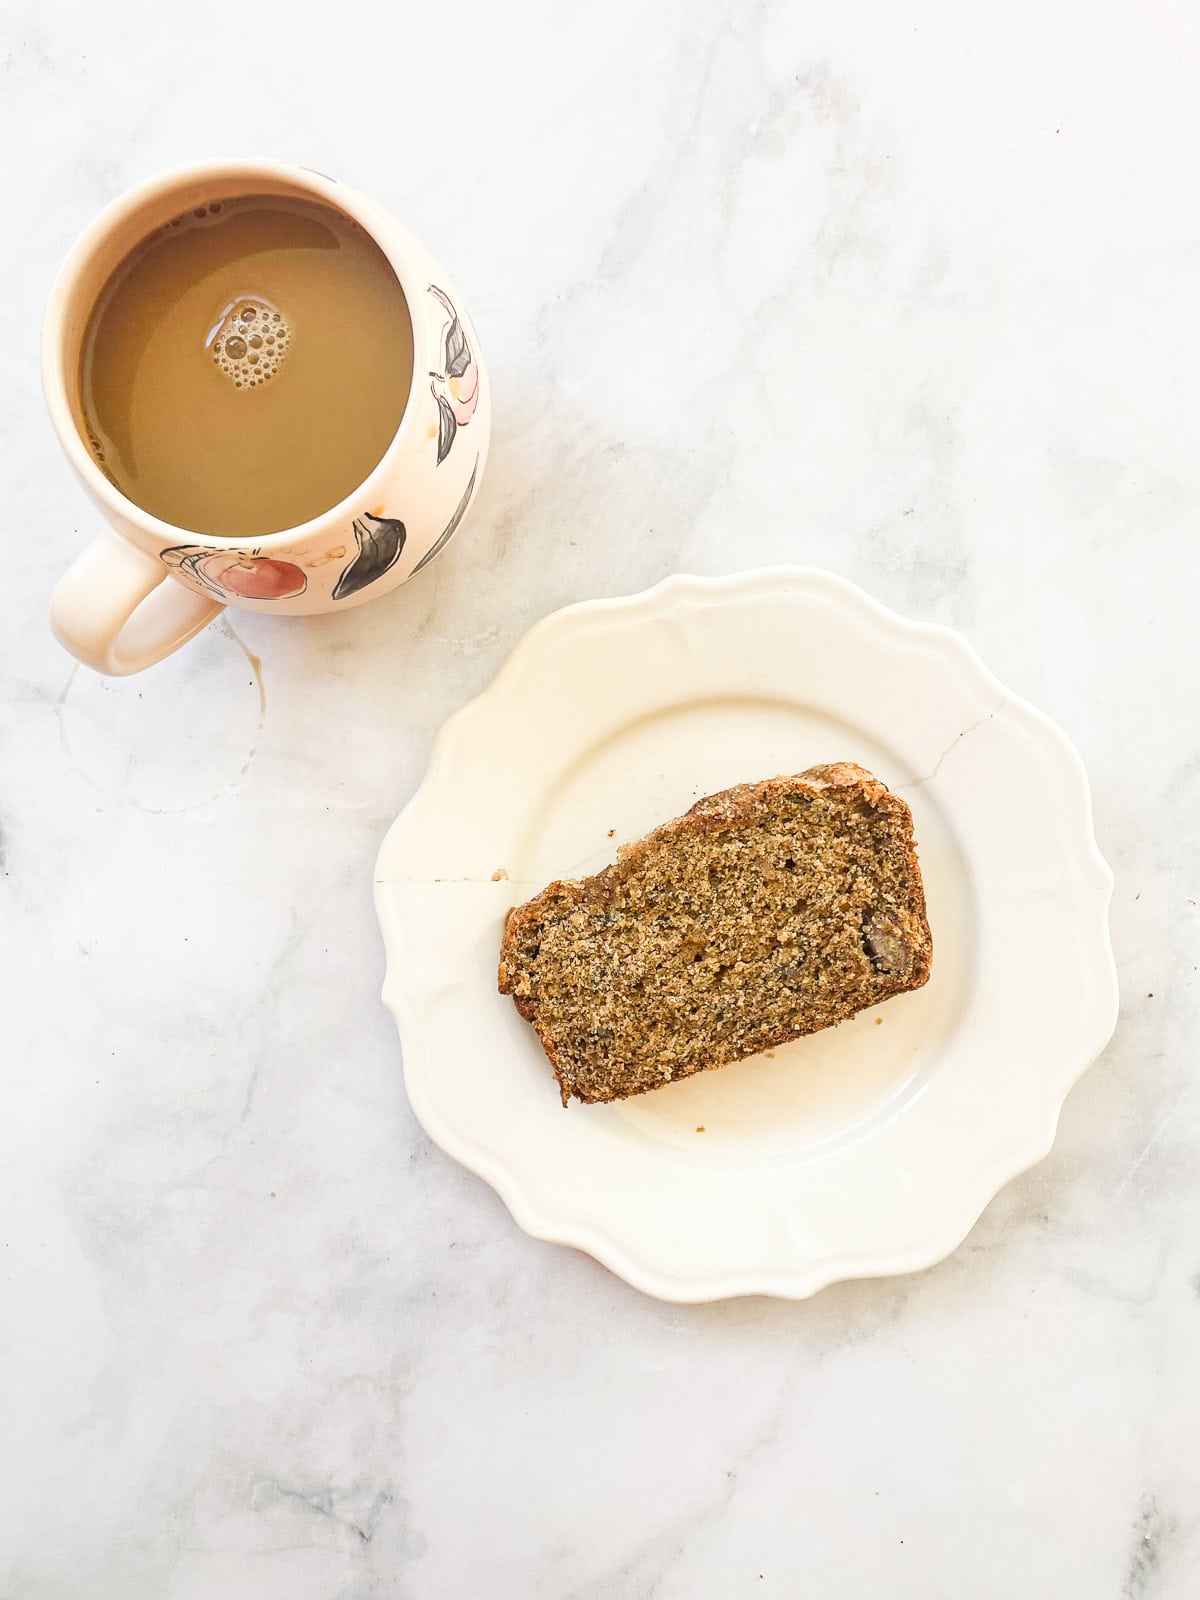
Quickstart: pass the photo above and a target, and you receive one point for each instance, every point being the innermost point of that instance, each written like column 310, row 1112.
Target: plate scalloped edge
column 795, row 1281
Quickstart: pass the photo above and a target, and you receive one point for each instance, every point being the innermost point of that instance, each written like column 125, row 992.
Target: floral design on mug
column 456, row 386
column 460, row 512
column 378, row 550
column 234, row 574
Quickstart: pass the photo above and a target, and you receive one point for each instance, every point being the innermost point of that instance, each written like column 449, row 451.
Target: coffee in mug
column 247, row 365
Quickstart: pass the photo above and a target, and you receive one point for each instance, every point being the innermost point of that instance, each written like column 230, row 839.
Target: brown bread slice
column 767, row 912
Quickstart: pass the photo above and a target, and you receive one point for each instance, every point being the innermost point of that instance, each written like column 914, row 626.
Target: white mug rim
column 241, row 173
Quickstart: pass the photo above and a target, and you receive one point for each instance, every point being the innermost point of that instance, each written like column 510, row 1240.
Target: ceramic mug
column 145, row 587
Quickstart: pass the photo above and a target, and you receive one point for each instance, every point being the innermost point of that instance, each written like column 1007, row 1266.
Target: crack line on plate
column 916, row 783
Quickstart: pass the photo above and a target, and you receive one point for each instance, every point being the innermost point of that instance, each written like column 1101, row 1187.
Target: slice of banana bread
column 768, row 911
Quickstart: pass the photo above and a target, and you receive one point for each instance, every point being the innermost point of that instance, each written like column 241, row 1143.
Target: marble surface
column 909, row 292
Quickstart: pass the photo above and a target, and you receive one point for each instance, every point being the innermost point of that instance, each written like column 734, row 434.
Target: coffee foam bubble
column 251, row 341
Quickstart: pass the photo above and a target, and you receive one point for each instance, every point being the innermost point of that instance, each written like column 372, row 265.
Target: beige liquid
column 246, row 367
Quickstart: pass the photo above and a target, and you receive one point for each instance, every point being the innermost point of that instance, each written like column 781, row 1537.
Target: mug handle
column 114, row 610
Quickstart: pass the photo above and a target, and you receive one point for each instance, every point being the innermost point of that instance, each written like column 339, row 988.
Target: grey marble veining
column 906, row 292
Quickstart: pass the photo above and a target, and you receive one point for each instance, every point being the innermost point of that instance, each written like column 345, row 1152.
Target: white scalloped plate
column 869, row 1149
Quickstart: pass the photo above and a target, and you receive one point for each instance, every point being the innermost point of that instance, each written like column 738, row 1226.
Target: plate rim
column 799, row 1280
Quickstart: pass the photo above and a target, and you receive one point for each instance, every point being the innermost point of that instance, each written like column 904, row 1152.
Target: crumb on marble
column 500, row 875
column 699, row 1127
column 611, row 831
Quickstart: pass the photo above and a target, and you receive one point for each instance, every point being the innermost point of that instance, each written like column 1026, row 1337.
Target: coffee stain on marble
column 258, row 682
column 63, row 738
column 255, row 663
column 256, row 669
